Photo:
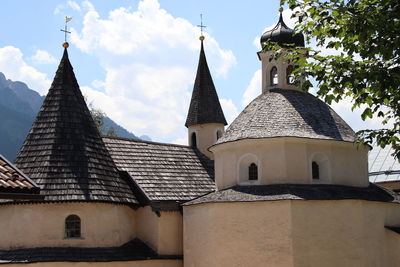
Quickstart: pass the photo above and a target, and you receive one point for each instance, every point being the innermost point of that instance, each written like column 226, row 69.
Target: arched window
column 72, row 226
column 253, row 172
column 249, row 170
column 219, row 134
column 320, row 168
column 274, row 76
column 289, row 75
column 315, row 170
column 194, row 140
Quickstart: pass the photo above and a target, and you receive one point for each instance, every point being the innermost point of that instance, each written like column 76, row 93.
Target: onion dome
column 288, row 113
column 282, row 35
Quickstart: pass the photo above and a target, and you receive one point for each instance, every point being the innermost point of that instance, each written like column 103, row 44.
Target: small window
column 194, row 140
column 72, row 226
column 274, row 76
column 289, row 75
column 315, row 170
column 253, row 172
column 219, row 134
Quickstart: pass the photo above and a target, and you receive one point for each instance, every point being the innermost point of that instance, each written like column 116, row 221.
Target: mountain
column 18, row 108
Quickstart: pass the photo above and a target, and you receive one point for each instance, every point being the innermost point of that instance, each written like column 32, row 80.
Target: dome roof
column 282, row 35
column 288, row 113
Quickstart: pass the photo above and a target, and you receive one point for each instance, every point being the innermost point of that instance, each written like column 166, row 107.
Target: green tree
column 366, row 67
column 98, row 116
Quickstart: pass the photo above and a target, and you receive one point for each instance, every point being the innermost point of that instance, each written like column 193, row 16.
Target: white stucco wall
column 163, row 233
column 288, row 160
column 206, row 136
column 41, row 225
column 290, row 233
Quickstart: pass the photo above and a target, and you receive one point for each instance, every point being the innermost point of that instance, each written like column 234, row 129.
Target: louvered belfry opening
column 64, row 152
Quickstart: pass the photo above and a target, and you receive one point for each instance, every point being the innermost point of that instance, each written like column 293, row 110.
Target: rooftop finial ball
column 281, row 9
column 66, row 45
column 202, row 38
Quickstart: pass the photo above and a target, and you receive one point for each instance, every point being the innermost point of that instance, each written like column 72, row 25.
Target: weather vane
column 201, row 26
column 66, row 31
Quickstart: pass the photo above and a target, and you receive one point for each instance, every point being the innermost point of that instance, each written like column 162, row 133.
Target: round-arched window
column 290, row 79
column 72, row 226
column 219, row 134
column 274, row 76
column 194, row 140
column 320, row 168
column 253, row 171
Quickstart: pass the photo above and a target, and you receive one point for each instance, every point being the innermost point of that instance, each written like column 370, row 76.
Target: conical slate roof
column 204, row 106
column 288, row 113
column 64, row 153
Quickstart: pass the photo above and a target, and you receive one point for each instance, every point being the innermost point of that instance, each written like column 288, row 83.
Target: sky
column 137, row 60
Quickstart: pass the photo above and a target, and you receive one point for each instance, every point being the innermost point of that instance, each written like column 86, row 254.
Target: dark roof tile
column 64, row 152
column 133, row 250
column 164, row 172
column 288, row 113
column 297, row 192
column 204, row 106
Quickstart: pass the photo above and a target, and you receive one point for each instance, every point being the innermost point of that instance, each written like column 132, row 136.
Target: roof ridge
column 145, row 141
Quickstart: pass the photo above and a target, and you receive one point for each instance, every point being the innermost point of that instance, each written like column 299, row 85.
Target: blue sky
column 136, row 60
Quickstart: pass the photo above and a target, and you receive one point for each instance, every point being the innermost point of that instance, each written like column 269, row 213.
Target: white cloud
column 43, row 57
column 69, row 4
column 15, row 68
column 230, row 110
column 150, row 59
column 253, row 89
column 74, row 5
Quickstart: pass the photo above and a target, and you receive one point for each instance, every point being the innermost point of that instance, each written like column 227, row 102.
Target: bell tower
column 205, row 120
column 277, row 73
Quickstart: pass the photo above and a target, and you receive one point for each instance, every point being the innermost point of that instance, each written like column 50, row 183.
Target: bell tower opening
column 194, row 140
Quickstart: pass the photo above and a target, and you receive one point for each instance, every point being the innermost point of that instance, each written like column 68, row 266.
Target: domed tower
column 277, row 73
column 286, row 135
column 205, row 120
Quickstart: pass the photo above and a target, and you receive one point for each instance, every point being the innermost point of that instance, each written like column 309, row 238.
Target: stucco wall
column 40, row 225
column 206, row 136
column 300, row 233
column 288, row 160
column 281, row 64
column 145, row 263
column 238, row 234
column 163, row 233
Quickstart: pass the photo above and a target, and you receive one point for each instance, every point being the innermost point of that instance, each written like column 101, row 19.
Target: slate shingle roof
column 13, row 182
column 164, row 172
column 64, row 153
column 204, row 106
column 288, row 113
column 297, row 192
column 133, row 250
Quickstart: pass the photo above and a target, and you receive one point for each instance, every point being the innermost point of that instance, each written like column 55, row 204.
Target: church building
column 285, row 185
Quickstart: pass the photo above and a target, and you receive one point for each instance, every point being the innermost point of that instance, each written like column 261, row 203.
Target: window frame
column 73, row 221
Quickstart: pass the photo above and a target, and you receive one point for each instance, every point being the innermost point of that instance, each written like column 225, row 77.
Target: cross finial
column 66, row 31
column 201, row 26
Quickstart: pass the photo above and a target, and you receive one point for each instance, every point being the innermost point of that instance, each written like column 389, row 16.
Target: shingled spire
column 204, row 106
column 64, row 152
